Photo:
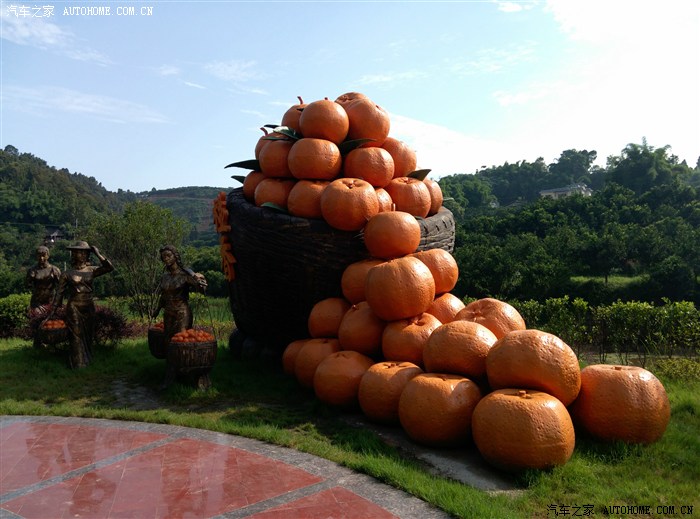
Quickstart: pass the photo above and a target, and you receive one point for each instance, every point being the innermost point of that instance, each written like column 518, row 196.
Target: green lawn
column 255, row 399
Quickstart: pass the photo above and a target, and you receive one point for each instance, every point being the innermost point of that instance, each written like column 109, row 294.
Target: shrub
column 677, row 369
column 111, row 327
column 13, row 314
column 624, row 328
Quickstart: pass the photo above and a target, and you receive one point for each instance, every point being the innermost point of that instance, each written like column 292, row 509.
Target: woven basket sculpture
column 156, row 343
column 285, row 265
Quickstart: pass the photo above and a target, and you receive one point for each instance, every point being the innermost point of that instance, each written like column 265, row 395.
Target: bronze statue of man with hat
column 76, row 285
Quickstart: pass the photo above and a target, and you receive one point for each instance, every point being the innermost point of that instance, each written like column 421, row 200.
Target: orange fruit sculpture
column 273, row 158
column 324, row 119
column 375, row 165
column 314, row 159
column 310, row 356
column 304, row 199
column 367, row 119
column 442, row 266
column 385, row 201
column 445, row 307
column 354, row 278
column 498, row 316
column 289, row 355
column 625, row 403
column 273, row 191
column 391, row 234
column 399, row 288
column 436, row 197
column 411, row 195
column 405, row 160
column 404, row 340
column 361, row 330
column 347, row 204
column 337, row 378
column 533, row 359
column 460, row 348
column 381, row 387
column 250, row 182
column 292, row 115
column 516, row 429
column 326, row 315
column 436, row 409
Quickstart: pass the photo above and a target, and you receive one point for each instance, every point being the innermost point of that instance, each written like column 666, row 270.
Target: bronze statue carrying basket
column 285, row 265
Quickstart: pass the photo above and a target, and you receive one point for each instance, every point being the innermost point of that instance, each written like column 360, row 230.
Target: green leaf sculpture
column 253, row 164
column 420, row 174
column 347, row 146
column 287, row 132
column 274, row 206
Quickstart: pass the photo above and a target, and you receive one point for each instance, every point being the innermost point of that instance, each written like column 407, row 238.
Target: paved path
column 54, row 467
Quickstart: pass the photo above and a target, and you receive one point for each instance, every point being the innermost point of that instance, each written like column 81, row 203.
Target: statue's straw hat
column 79, row 245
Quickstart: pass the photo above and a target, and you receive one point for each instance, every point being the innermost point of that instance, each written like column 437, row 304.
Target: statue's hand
column 95, row 250
column 201, row 280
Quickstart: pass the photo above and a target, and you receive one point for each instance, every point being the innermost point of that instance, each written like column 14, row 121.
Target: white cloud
column 445, row 151
column 194, row 85
column 256, row 113
column 490, row 60
column 168, row 70
column 535, row 92
column 626, row 22
column 635, row 73
column 372, row 79
column 234, row 70
column 42, row 101
column 516, row 6
column 40, row 34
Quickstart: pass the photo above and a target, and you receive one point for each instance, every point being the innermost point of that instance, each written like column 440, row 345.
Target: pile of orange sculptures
column 54, row 324
column 335, row 160
column 192, row 335
column 399, row 345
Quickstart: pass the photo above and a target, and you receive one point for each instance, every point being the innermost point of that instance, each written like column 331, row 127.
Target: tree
column 572, row 167
column 132, row 241
column 641, row 167
column 607, row 251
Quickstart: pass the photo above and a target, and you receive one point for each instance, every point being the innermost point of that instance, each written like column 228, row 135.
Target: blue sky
column 167, row 98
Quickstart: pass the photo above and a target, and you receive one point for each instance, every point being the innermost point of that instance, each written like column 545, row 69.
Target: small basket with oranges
column 192, row 351
column 156, row 341
column 53, row 331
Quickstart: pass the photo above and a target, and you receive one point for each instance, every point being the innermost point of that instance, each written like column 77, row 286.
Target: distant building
column 561, row 192
column 52, row 236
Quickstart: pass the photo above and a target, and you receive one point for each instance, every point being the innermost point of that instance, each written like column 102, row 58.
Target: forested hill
column 640, row 168
column 35, row 196
column 32, row 192
column 639, row 218
column 192, row 203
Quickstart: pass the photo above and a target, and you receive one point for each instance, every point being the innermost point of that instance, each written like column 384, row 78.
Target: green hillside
column 193, row 204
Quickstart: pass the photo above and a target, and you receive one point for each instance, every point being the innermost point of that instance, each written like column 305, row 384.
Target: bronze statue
column 76, row 284
column 175, row 285
column 43, row 280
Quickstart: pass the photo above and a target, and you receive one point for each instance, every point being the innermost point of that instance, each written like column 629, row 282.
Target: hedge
column 631, row 330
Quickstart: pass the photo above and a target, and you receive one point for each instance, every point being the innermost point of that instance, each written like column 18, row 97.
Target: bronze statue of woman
column 76, row 284
column 43, row 280
column 175, row 285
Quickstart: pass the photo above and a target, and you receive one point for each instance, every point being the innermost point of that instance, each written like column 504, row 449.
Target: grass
column 614, row 281
column 255, row 399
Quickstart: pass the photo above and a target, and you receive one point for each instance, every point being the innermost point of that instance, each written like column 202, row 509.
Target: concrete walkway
column 54, row 467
